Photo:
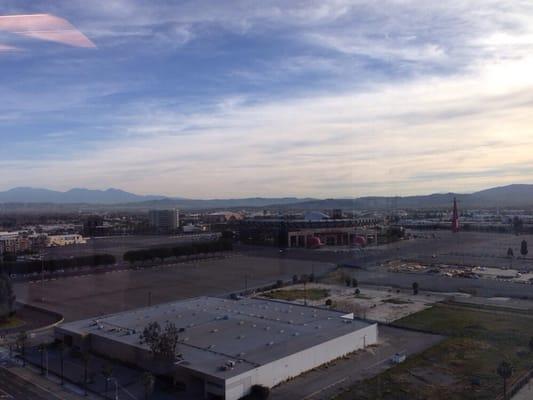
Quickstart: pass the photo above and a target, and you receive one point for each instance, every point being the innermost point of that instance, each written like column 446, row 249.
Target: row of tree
column 163, row 253
column 26, row 267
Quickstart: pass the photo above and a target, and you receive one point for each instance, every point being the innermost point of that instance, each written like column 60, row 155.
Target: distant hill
column 87, row 196
column 505, row 196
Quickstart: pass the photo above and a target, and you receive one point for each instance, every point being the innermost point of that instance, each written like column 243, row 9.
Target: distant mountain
column 506, row 196
column 86, row 196
column 130, row 200
column 253, row 202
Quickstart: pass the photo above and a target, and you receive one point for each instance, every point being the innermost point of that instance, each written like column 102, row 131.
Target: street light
column 43, row 254
column 116, row 385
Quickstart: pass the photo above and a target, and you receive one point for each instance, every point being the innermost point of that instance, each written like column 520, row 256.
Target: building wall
column 280, row 370
column 164, row 220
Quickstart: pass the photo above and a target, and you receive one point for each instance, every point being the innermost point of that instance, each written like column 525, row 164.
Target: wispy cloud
column 337, row 98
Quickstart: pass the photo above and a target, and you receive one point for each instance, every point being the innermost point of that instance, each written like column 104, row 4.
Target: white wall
column 280, row 370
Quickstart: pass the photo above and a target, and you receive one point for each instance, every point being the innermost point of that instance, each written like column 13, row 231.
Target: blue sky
column 246, row 98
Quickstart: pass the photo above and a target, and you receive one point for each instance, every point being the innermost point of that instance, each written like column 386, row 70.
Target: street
column 16, row 388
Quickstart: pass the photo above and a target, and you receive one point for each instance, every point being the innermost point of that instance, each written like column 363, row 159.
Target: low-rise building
column 65, row 240
column 226, row 346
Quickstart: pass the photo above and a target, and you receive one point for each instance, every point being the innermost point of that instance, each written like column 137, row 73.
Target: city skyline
column 204, row 100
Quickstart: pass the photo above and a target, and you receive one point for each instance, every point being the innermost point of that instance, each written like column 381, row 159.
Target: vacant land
column 296, row 294
column 462, row 366
column 378, row 304
column 119, row 290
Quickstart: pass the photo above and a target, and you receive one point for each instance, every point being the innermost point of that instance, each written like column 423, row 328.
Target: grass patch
column 463, row 366
column 297, row 294
column 11, row 323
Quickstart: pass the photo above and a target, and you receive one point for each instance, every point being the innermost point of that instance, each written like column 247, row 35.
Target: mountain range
column 504, row 196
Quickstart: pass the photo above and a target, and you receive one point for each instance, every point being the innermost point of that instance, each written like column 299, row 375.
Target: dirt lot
column 378, row 304
column 90, row 295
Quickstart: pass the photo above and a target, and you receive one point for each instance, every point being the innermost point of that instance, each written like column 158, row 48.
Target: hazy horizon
column 211, row 99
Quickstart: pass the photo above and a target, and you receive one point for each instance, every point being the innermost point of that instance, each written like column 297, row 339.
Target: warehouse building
column 227, row 346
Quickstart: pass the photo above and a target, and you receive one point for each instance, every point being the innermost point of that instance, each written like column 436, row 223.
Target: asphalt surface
column 15, row 388
column 119, row 290
column 432, row 247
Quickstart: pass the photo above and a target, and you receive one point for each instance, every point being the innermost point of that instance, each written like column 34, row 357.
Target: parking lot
column 90, row 295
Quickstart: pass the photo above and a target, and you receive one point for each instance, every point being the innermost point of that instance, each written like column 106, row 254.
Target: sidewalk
column 51, row 384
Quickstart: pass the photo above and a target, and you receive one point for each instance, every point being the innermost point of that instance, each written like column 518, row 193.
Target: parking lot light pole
column 42, row 275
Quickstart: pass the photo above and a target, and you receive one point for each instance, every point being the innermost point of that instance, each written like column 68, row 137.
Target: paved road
column 16, row 388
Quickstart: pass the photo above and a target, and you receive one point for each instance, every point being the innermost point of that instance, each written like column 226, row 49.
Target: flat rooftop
column 251, row 332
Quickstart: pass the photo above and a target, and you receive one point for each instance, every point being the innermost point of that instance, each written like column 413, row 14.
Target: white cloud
column 467, row 126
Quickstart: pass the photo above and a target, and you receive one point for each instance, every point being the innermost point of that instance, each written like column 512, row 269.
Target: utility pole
column 42, row 276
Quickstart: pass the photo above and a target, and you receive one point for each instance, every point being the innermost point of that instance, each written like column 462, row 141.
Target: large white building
column 227, row 346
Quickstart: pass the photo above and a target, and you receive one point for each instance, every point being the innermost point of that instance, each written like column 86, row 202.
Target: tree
column 517, row 224
column 162, row 343
column 260, row 392
column 107, row 372
column 415, row 288
column 505, row 370
column 150, row 336
column 7, row 297
column 523, row 248
column 22, row 339
column 148, row 383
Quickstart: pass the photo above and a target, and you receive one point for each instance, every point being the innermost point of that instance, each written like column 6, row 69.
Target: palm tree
column 505, row 370
column 85, row 356
column 107, row 372
column 22, row 338
column 148, row 382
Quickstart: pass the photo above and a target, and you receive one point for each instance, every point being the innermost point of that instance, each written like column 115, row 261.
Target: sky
column 216, row 98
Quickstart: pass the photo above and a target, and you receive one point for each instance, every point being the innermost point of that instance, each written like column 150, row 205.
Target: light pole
column 114, row 380
column 43, row 254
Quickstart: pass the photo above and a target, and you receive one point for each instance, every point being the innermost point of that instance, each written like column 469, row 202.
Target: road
column 15, row 388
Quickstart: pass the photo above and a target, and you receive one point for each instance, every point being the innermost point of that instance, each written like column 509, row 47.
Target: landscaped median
column 464, row 366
